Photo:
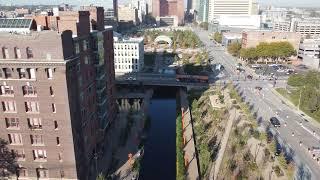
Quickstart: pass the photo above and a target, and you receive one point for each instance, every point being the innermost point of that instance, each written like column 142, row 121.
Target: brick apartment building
column 57, row 95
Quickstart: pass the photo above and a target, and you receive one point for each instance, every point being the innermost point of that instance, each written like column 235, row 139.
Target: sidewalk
column 295, row 108
column 234, row 114
column 189, row 149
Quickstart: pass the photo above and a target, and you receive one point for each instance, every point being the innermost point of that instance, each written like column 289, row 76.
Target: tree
column 234, row 49
column 204, row 25
column 8, row 164
column 100, row 177
column 217, row 37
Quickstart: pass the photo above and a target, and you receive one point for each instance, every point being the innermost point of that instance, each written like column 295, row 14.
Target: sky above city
column 108, row 3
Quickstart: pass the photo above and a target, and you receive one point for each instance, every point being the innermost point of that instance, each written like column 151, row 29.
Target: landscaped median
column 180, row 168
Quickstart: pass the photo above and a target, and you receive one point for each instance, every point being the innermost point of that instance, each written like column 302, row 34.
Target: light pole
column 300, row 98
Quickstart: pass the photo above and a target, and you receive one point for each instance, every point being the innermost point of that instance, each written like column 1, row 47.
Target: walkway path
column 189, row 149
column 233, row 115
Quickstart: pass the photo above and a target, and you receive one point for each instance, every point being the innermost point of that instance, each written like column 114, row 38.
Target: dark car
column 249, row 76
column 258, row 88
column 275, row 122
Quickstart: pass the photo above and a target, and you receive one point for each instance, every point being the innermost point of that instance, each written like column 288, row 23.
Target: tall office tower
column 202, row 11
column 141, row 6
column 231, row 7
column 115, row 9
column 168, row 8
column 56, row 94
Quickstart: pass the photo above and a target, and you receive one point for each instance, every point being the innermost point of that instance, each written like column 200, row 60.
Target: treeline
column 274, row 52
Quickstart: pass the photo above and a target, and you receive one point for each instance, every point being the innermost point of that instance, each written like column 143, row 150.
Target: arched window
column 5, row 53
column 17, row 53
column 29, row 53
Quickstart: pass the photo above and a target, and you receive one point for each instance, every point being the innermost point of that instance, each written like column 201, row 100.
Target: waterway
column 159, row 161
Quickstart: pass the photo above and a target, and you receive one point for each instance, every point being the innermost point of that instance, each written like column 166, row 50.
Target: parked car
column 275, row 122
column 249, row 76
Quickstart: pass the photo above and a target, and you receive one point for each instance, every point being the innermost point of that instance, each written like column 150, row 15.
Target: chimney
column 83, row 26
column 100, row 18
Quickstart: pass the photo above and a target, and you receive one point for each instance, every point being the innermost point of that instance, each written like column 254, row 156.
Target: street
column 294, row 129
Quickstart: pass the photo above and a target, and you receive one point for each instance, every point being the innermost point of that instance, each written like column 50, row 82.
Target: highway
column 294, row 129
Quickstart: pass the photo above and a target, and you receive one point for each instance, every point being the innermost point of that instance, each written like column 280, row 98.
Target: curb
column 289, row 103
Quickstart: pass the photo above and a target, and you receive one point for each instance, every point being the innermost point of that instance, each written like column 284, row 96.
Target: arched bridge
column 163, row 38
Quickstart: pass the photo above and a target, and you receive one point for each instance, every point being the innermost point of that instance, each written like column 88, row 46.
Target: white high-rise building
column 231, row 7
column 141, row 6
column 128, row 54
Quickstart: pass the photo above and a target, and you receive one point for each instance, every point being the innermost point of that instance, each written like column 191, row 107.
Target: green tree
column 100, row 177
column 204, row 25
column 234, row 49
column 8, row 163
column 217, row 37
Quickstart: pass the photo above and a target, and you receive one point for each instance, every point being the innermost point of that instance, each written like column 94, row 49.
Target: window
column 15, row 139
column 39, row 154
column 35, row 123
column 12, row 122
column 19, row 154
column 58, row 141
column 60, row 156
column 31, row 73
column 6, row 90
column 22, row 172
column 29, row 53
column 49, row 73
column 42, row 173
column 17, row 53
column 85, row 45
column 77, row 48
column 55, row 125
column 86, row 60
column 7, row 72
column 53, row 106
column 32, row 106
column 36, row 139
column 1, row 73
column 22, row 73
column 29, row 90
column 9, row 106
column 5, row 53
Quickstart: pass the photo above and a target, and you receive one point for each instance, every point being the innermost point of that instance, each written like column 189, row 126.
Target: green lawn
column 294, row 96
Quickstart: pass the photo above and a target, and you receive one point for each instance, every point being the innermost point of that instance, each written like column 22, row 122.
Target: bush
column 278, row 171
column 180, row 168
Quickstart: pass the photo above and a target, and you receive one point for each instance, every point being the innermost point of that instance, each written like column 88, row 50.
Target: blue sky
column 107, row 3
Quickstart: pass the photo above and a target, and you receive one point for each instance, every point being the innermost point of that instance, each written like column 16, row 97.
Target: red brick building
column 162, row 8
column 57, row 95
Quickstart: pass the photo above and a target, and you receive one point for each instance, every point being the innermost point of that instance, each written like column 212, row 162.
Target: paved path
column 189, row 149
column 233, row 115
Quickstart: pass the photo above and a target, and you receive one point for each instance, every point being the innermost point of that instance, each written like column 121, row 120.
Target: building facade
column 254, row 38
column 128, row 14
column 128, row 54
column 202, row 11
column 309, row 53
column 231, row 7
column 57, row 99
column 304, row 26
column 162, row 8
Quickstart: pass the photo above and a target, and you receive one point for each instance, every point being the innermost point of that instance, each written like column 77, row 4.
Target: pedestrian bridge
column 164, row 38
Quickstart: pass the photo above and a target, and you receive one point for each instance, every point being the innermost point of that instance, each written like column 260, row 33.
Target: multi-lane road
column 295, row 135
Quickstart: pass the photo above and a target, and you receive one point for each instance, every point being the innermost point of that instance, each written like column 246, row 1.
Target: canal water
column 159, row 161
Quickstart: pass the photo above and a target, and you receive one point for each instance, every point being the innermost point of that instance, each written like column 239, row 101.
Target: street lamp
column 300, row 98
